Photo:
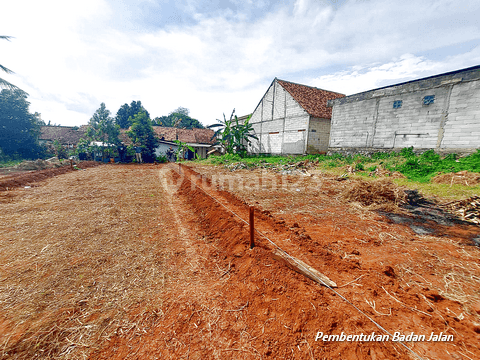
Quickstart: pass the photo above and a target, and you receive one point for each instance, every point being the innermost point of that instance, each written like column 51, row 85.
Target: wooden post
column 71, row 164
column 302, row 268
column 252, row 228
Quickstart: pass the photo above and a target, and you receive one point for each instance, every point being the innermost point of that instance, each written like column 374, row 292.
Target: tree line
column 20, row 129
column 104, row 130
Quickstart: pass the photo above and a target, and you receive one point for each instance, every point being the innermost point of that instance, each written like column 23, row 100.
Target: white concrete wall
column 462, row 125
column 451, row 122
column 318, row 135
column 277, row 121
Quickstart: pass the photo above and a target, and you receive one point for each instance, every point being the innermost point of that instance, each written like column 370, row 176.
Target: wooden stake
column 252, row 228
column 302, row 268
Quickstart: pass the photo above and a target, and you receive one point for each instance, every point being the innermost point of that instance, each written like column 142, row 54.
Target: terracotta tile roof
column 312, row 99
column 199, row 136
column 64, row 134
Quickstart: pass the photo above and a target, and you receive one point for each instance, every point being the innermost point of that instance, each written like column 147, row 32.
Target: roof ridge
column 308, row 86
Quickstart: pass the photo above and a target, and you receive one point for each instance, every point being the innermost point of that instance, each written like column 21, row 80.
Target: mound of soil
column 462, row 178
column 27, row 179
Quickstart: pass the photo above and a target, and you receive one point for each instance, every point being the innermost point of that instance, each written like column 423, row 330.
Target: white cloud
column 219, row 60
column 407, row 67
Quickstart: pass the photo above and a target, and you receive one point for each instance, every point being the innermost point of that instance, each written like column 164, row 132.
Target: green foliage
column 60, row 151
column 141, row 133
column 234, row 136
column 423, row 167
column 178, row 118
column 182, row 147
column 420, row 168
column 19, row 129
column 161, row 159
column 126, row 114
column 102, row 128
column 359, row 167
column 4, row 83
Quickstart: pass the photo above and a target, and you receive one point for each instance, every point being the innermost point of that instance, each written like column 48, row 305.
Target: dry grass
column 80, row 264
column 377, row 194
column 462, row 178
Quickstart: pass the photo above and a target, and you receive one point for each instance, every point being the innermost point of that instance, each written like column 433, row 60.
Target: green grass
column 9, row 163
column 418, row 169
column 446, row 191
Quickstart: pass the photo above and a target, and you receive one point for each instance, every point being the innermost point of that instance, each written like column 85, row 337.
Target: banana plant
column 233, row 136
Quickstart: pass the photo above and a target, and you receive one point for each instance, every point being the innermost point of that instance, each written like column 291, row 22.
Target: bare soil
column 147, row 262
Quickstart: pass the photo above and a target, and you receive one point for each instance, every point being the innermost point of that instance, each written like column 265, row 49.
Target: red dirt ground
column 29, row 178
column 237, row 303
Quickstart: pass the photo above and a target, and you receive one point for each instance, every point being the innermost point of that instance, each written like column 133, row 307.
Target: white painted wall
column 277, row 121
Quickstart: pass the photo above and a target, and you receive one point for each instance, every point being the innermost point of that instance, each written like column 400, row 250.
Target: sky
column 215, row 56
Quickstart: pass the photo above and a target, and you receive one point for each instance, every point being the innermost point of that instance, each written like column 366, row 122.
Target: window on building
column 429, row 99
column 397, row 104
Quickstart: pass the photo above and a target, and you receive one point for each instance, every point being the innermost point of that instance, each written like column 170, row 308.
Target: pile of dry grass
column 466, row 209
column 381, row 193
column 38, row 164
column 462, row 178
column 380, row 172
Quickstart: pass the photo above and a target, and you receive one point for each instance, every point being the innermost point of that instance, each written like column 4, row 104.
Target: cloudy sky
column 213, row 56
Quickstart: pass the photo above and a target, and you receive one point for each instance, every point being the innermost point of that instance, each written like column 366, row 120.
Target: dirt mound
column 38, row 164
column 26, row 179
column 371, row 193
column 462, row 178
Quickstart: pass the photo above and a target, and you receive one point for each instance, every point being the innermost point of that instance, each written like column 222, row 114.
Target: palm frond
column 214, row 125
column 6, row 85
column 4, row 69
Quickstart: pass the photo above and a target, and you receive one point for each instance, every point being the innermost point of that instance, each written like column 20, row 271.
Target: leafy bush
column 161, row 159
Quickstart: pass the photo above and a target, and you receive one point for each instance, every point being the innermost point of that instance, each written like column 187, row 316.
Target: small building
column 67, row 136
column 292, row 119
column 440, row 112
column 201, row 140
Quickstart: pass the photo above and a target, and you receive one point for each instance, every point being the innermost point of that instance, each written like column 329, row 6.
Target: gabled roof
column 191, row 136
column 64, row 134
column 312, row 99
column 199, row 136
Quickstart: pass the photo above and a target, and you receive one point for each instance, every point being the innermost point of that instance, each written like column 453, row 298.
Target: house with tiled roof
column 201, row 140
column 292, row 119
column 67, row 136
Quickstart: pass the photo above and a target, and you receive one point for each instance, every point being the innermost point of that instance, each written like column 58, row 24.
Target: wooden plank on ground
column 302, row 268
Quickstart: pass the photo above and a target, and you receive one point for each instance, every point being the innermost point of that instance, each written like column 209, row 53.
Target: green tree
column 19, row 129
column 142, row 134
column 129, row 111
column 178, row 118
column 102, row 128
column 232, row 135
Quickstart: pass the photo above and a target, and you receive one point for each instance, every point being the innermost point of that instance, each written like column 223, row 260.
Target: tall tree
column 103, row 129
column 4, row 83
column 19, row 129
column 129, row 111
column 178, row 118
column 142, row 134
